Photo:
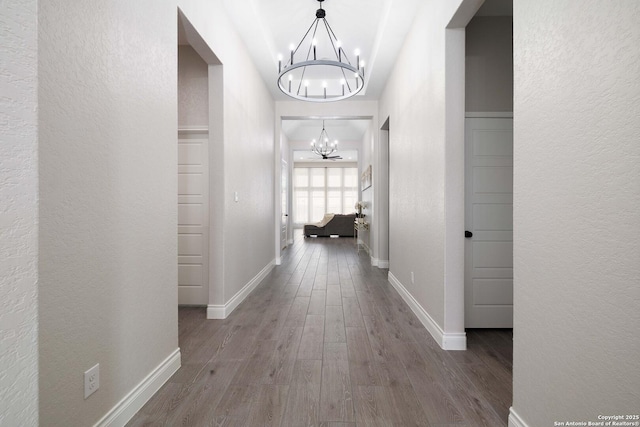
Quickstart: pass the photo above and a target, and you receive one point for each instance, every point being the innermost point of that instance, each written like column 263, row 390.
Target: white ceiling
column 376, row 27
column 342, row 130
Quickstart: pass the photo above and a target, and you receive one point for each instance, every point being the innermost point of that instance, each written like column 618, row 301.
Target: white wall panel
column 576, row 205
column 493, row 143
column 190, row 244
column 190, row 184
column 19, row 213
column 493, row 291
column 493, row 217
column 495, row 180
column 492, row 255
column 190, row 154
column 108, row 183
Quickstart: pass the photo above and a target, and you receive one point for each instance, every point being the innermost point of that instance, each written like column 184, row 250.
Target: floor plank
column 326, row 341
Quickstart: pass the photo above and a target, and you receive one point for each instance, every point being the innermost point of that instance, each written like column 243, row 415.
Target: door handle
column 286, row 214
column 468, row 234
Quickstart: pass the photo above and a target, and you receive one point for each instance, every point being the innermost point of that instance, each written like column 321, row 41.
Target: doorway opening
column 383, row 196
column 199, row 106
column 488, row 271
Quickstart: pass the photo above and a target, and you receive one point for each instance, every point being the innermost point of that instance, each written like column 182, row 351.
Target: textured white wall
column 108, row 212
column 414, row 99
column 489, row 64
column 18, row 214
column 576, row 204
column 193, row 88
column 366, row 158
column 247, row 236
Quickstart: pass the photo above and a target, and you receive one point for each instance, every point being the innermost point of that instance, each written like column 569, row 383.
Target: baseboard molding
column 515, row 420
column 375, row 262
column 122, row 413
column 448, row 341
column 222, row 311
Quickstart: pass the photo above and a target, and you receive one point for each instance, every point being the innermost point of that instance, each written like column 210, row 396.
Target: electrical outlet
column 413, row 278
column 91, row 380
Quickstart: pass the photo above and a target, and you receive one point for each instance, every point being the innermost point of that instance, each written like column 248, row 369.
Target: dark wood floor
column 326, row 341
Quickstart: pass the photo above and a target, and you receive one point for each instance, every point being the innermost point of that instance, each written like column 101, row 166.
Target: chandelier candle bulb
column 292, row 48
column 279, row 63
column 290, row 79
column 315, row 42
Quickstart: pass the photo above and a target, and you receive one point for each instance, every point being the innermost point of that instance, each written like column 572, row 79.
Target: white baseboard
column 122, row 413
column 278, row 261
column 515, row 420
column 290, row 242
column 222, row 311
column 375, row 262
column 448, row 341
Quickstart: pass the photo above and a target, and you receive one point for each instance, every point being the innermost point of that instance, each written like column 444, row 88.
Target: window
column 317, row 191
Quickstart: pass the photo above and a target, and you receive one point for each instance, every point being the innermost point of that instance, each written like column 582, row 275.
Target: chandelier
column 318, row 68
column 322, row 147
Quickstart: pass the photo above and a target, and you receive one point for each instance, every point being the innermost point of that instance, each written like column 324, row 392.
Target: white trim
column 383, row 263
column 290, row 241
column 374, row 262
column 278, row 260
column 222, row 311
column 516, row 420
column 448, row 341
column 124, row 410
column 193, row 129
column 489, row 115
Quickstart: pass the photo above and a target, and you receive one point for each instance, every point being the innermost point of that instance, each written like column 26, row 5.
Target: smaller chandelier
column 325, row 73
column 323, row 147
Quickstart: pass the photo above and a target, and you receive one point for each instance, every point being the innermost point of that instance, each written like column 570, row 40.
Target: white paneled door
column 193, row 219
column 489, row 218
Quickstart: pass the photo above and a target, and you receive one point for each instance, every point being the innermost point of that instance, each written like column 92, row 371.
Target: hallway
column 326, row 341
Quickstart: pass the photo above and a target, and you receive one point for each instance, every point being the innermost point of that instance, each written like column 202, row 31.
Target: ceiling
column 342, row 130
column 376, row 27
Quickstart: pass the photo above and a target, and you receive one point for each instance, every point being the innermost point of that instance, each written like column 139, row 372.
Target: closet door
column 193, row 219
column 489, row 217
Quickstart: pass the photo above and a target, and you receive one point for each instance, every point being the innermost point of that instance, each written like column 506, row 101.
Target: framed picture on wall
column 366, row 178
